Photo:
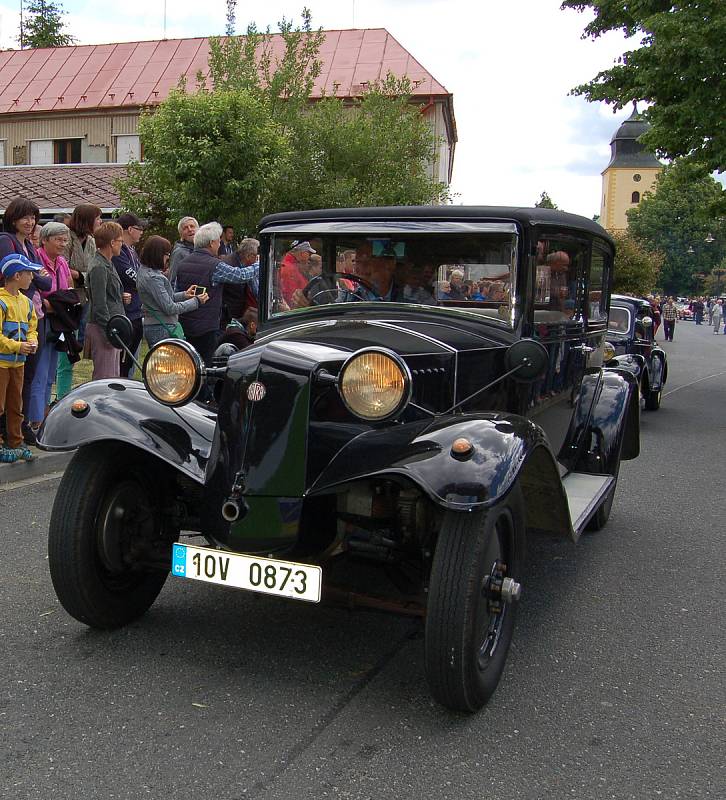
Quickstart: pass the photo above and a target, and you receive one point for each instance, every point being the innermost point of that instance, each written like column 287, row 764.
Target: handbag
column 175, row 331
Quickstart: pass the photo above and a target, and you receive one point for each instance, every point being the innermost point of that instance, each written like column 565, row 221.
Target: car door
column 562, row 323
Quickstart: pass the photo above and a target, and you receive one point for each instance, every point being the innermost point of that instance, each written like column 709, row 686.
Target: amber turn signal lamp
column 79, row 408
column 461, row 447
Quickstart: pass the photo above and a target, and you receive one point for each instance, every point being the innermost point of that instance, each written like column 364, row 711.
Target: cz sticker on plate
column 265, row 575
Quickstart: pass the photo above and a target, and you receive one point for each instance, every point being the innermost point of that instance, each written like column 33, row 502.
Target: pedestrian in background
column 670, row 316
column 717, row 315
column 187, row 227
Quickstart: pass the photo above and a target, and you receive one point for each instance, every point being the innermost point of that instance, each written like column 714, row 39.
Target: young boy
column 18, row 339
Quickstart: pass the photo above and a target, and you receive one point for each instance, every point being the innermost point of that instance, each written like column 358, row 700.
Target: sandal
column 7, row 456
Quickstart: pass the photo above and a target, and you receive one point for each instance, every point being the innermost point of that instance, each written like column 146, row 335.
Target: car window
column 558, row 283
column 597, row 284
column 471, row 271
column 619, row 319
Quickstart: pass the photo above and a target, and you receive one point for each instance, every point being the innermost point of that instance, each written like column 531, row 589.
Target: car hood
column 406, row 337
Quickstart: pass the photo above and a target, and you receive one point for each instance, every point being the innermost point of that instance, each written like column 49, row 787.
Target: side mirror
column 120, row 332
column 647, row 321
column 529, row 358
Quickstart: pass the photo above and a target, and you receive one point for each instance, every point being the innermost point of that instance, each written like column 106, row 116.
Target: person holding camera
column 161, row 306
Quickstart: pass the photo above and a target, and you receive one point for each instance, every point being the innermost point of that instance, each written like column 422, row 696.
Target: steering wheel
column 320, row 278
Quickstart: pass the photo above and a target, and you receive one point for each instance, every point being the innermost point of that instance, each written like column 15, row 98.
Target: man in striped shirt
column 670, row 315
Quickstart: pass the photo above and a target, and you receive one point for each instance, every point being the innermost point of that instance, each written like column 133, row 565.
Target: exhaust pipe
column 232, row 509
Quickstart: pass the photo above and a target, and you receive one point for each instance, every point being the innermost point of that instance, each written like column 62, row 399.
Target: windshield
column 474, row 271
column 619, row 320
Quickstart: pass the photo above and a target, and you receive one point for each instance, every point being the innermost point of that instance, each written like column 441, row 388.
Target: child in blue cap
column 18, row 339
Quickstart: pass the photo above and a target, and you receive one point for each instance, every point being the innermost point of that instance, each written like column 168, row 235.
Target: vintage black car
column 631, row 345
column 405, row 419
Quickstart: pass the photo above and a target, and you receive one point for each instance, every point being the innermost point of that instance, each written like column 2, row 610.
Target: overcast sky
column 509, row 65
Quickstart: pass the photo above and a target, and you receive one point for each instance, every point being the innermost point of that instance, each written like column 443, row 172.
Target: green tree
column 677, row 218
column 41, row 25
column 545, row 201
column 636, row 268
column 715, row 282
column 678, row 70
column 216, row 155
column 374, row 150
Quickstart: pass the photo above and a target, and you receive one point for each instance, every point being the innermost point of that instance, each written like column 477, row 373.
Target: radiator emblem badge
column 256, row 391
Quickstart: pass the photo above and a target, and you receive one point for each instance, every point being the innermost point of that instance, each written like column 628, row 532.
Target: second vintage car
column 631, row 345
column 407, row 417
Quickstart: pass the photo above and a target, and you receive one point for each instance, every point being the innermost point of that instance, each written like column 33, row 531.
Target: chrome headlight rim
column 198, row 364
column 608, row 352
column 405, row 373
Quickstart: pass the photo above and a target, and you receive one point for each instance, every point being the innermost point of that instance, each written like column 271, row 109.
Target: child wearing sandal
column 18, row 339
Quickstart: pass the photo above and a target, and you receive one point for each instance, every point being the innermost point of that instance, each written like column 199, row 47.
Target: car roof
column 624, row 299
column 523, row 215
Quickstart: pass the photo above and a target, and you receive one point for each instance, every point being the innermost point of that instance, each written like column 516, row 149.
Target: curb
column 43, row 464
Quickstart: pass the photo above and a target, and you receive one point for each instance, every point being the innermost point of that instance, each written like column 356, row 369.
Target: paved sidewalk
column 43, row 464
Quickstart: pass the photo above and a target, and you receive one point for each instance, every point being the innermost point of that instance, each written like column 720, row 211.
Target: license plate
column 264, row 575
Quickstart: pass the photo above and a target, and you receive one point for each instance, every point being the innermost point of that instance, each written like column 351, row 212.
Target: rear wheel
column 471, row 606
column 105, row 509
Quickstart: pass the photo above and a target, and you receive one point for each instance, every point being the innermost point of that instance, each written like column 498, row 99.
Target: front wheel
column 105, row 511
column 473, row 590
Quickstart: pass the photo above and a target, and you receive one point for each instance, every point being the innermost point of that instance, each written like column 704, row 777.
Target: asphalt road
column 614, row 686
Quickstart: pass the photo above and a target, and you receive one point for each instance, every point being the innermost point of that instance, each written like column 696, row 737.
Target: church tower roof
column 626, row 150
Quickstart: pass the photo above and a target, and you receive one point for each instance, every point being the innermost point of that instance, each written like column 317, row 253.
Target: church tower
column 631, row 172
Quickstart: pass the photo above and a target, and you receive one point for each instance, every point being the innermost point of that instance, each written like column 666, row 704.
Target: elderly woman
column 54, row 238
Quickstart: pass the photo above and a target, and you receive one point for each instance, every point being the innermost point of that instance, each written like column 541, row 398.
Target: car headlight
column 375, row 384
column 173, row 372
column 608, row 351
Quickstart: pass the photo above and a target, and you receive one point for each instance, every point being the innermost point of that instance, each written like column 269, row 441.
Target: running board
column 584, row 493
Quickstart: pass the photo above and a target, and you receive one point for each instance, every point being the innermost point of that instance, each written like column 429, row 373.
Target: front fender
column 614, row 426
column 658, row 370
column 123, row 411
column 502, row 444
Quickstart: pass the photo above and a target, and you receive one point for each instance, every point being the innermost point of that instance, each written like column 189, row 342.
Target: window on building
column 128, row 148
column 636, row 177
column 2, row 153
column 635, row 197
column 55, row 151
column 67, row 151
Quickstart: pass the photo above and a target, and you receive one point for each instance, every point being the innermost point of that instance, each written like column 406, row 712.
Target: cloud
column 510, row 67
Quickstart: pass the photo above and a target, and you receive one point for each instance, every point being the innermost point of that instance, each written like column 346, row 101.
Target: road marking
column 693, row 383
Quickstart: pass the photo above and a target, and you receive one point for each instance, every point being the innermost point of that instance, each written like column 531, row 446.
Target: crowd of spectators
column 61, row 282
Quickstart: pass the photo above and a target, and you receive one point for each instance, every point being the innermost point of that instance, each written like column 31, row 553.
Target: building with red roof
column 64, row 107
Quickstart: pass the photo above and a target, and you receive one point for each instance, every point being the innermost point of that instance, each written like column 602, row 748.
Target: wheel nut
column 511, row 590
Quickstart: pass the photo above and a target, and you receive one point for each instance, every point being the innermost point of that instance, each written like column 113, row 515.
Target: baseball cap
column 16, row 262
column 302, row 247
column 129, row 220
